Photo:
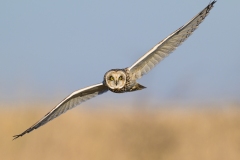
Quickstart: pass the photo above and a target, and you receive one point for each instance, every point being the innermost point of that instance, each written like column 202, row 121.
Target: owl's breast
column 122, row 90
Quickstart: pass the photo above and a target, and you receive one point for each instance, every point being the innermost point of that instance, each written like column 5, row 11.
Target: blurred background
column 190, row 109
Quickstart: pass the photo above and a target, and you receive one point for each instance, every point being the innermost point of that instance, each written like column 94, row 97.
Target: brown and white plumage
column 69, row 102
column 124, row 80
column 168, row 45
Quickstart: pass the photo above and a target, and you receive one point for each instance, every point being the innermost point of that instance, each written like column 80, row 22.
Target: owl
column 125, row 80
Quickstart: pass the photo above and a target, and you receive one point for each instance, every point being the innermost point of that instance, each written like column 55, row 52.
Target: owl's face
column 115, row 79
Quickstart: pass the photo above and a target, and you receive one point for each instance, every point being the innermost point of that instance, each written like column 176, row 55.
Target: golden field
column 168, row 133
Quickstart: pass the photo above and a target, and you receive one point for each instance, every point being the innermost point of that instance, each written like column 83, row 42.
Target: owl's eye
column 111, row 78
column 120, row 78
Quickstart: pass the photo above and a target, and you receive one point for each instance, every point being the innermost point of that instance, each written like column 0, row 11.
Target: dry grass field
column 119, row 134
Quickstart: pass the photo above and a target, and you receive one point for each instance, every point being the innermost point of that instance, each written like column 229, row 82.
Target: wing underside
column 68, row 103
column 168, row 45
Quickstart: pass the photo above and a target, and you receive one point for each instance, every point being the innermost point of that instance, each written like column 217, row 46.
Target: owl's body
column 125, row 80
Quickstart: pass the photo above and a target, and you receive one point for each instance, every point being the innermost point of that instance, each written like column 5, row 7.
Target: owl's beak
column 116, row 82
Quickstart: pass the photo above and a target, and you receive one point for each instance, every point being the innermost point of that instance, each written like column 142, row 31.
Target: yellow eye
column 120, row 78
column 111, row 78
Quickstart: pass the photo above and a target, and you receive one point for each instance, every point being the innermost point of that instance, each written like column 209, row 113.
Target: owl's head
column 115, row 79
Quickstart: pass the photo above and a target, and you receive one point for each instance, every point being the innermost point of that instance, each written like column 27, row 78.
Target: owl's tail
column 140, row 87
column 137, row 87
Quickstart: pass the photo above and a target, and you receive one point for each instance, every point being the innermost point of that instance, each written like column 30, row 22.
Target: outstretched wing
column 167, row 45
column 69, row 102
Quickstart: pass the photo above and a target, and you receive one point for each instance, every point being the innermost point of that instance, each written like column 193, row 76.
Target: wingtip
column 214, row 2
column 16, row 136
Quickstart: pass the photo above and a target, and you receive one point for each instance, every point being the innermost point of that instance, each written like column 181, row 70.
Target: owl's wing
column 167, row 45
column 69, row 102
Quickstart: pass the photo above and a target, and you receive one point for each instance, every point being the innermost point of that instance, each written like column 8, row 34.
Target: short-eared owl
column 125, row 80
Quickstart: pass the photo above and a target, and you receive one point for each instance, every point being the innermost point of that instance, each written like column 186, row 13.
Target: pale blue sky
column 50, row 48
